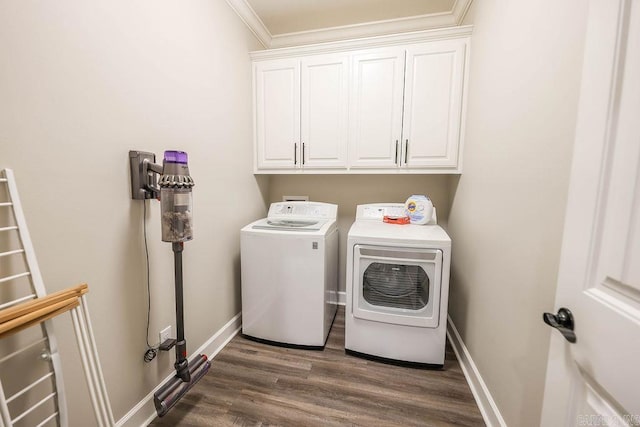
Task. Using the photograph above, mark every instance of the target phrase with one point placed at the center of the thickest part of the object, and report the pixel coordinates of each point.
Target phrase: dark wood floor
(253, 384)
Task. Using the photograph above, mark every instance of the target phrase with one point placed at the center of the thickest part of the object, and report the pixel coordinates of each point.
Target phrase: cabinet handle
(406, 150)
(295, 153)
(395, 159)
(303, 153)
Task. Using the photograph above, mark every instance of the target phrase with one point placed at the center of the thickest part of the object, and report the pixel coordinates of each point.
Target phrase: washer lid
(283, 224)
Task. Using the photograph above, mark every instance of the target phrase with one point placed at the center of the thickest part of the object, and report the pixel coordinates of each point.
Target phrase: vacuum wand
(187, 373)
(175, 204)
(181, 365)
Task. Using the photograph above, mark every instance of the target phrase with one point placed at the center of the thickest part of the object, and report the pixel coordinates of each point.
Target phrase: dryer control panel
(378, 210)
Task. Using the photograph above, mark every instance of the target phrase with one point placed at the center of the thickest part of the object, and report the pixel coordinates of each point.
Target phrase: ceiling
(290, 16)
(282, 23)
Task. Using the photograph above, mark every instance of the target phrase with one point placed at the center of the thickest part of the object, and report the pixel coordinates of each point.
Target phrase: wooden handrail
(36, 321)
(21, 316)
(38, 303)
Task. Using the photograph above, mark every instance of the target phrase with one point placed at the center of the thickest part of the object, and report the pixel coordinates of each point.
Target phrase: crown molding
(398, 39)
(348, 32)
(460, 9)
(252, 21)
(368, 29)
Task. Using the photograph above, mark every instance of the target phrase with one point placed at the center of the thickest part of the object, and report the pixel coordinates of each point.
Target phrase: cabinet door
(277, 114)
(323, 120)
(432, 119)
(375, 119)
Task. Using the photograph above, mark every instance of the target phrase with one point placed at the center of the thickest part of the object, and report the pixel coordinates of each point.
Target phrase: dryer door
(397, 285)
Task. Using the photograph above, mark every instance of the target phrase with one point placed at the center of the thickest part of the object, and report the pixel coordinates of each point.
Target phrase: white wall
(81, 83)
(508, 206)
(349, 191)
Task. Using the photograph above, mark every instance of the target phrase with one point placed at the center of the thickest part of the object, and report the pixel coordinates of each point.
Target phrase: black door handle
(563, 321)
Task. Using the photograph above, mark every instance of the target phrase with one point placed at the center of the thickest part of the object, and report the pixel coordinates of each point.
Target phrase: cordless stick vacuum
(176, 218)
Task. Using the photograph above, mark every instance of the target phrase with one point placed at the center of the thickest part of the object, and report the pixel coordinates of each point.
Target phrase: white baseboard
(342, 298)
(144, 412)
(486, 404)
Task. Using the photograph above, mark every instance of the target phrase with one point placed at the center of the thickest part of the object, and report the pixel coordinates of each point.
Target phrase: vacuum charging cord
(151, 352)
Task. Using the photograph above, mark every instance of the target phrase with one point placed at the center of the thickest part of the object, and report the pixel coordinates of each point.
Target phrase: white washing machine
(397, 288)
(289, 264)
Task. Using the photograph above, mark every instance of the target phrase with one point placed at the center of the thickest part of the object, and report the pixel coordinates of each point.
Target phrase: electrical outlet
(165, 334)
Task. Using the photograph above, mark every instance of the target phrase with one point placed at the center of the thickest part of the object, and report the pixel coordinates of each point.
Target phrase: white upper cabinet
(406, 107)
(323, 120)
(375, 119)
(392, 104)
(433, 95)
(301, 112)
(277, 113)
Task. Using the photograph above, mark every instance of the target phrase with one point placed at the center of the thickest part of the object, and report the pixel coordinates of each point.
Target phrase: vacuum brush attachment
(173, 390)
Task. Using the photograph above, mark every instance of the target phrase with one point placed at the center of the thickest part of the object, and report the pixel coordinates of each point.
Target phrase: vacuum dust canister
(176, 198)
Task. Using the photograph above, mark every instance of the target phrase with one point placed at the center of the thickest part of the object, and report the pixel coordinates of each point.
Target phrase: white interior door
(596, 380)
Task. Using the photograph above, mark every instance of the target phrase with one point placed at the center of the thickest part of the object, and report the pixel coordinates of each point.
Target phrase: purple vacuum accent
(172, 156)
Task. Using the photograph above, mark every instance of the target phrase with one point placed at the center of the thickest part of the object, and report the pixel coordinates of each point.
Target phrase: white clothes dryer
(289, 269)
(397, 288)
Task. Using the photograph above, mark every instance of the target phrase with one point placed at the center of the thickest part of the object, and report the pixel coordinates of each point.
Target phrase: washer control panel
(303, 210)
